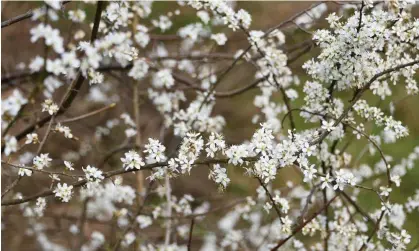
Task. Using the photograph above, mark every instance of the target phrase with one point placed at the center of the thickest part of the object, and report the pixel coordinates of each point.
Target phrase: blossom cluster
(314, 145)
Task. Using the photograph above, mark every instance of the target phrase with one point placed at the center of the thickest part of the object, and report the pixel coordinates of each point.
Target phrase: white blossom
(144, 221)
(63, 192)
(69, 165)
(93, 174)
(42, 161)
(24, 172)
(219, 38)
(132, 160)
(219, 175)
(139, 69)
(11, 145)
(155, 151)
(50, 107)
(328, 125)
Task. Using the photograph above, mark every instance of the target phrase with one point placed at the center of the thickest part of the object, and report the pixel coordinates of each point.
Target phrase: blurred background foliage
(238, 111)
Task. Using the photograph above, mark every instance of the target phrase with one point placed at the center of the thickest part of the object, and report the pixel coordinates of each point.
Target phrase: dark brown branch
(32, 95)
(190, 234)
(123, 147)
(300, 54)
(190, 216)
(301, 226)
(205, 56)
(21, 17)
(88, 114)
(326, 214)
(39, 170)
(11, 186)
(278, 212)
(223, 56)
(109, 174)
(164, 37)
(357, 207)
(133, 222)
(44, 140)
(308, 201)
(5, 80)
(232, 93)
(288, 105)
(376, 227)
(281, 88)
(353, 128)
(247, 50)
(228, 94)
(72, 90)
(358, 96)
(81, 223)
(289, 20)
(360, 17)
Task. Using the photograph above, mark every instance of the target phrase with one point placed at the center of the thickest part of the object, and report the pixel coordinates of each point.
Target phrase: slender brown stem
(74, 88)
(88, 114)
(360, 17)
(109, 174)
(301, 226)
(133, 222)
(21, 17)
(308, 201)
(40, 170)
(326, 214)
(357, 207)
(191, 234)
(278, 212)
(359, 95)
(376, 227)
(11, 186)
(44, 140)
(82, 221)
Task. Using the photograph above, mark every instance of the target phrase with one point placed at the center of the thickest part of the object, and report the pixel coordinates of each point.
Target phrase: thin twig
(168, 190)
(82, 222)
(40, 170)
(11, 186)
(308, 201)
(198, 215)
(360, 17)
(88, 114)
(359, 95)
(246, 51)
(109, 174)
(22, 17)
(190, 234)
(133, 222)
(357, 207)
(73, 89)
(44, 140)
(326, 213)
(278, 212)
(376, 227)
(301, 226)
